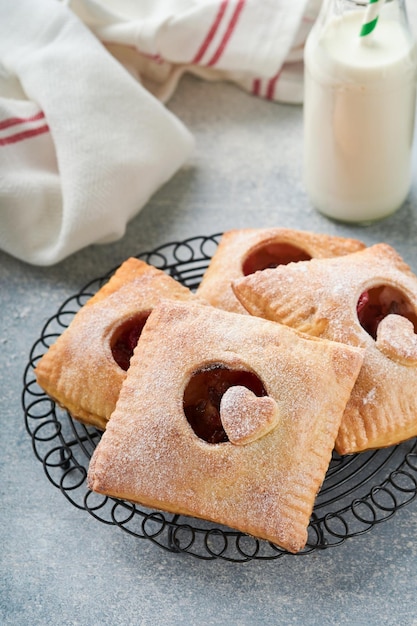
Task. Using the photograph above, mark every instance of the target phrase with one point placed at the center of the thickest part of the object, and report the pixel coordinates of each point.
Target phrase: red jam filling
(125, 339)
(271, 255)
(203, 394)
(375, 304)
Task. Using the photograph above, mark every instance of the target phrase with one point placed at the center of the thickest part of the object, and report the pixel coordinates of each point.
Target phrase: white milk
(359, 117)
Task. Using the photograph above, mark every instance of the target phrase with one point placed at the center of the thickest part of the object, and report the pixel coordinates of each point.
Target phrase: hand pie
(226, 417)
(84, 370)
(366, 299)
(243, 252)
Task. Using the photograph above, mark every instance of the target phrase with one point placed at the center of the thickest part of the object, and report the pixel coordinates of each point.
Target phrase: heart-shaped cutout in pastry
(397, 340)
(245, 416)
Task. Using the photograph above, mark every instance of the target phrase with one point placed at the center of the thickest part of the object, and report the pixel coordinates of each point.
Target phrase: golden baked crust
(266, 483)
(321, 297)
(79, 370)
(232, 259)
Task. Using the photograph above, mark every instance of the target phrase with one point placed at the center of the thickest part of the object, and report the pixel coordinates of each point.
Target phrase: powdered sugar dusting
(150, 454)
(320, 297)
(79, 370)
(369, 398)
(236, 246)
(246, 417)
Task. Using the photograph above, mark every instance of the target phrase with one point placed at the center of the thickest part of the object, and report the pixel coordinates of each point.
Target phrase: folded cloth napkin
(85, 143)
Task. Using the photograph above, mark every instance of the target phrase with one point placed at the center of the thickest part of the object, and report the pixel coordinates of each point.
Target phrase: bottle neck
(393, 10)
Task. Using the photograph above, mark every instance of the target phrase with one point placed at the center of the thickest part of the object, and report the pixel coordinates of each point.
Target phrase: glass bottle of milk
(360, 95)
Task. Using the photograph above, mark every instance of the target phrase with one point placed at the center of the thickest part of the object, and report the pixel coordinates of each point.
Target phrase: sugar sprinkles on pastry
(85, 368)
(244, 251)
(366, 299)
(226, 417)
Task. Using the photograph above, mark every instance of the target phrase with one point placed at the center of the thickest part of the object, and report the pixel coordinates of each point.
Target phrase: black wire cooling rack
(359, 491)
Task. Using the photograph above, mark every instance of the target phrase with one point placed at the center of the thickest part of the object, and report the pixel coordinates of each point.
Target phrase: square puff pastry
(266, 481)
(241, 252)
(325, 298)
(79, 370)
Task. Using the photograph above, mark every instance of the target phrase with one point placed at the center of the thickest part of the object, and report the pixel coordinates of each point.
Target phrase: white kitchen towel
(257, 44)
(83, 146)
(84, 143)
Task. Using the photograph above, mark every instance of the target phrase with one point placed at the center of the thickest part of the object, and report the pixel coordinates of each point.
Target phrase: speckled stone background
(60, 566)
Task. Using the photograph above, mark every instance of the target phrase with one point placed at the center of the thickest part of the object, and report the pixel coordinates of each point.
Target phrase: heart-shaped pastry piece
(245, 416)
(397, 340)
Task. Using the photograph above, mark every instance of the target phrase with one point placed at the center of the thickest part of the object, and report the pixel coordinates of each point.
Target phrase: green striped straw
(371, 17)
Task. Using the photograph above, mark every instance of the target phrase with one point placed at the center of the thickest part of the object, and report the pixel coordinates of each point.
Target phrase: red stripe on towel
(256, 86)
(25, 134)
(209, 38)
(12, 121)
(239, 6)
(270, 91)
